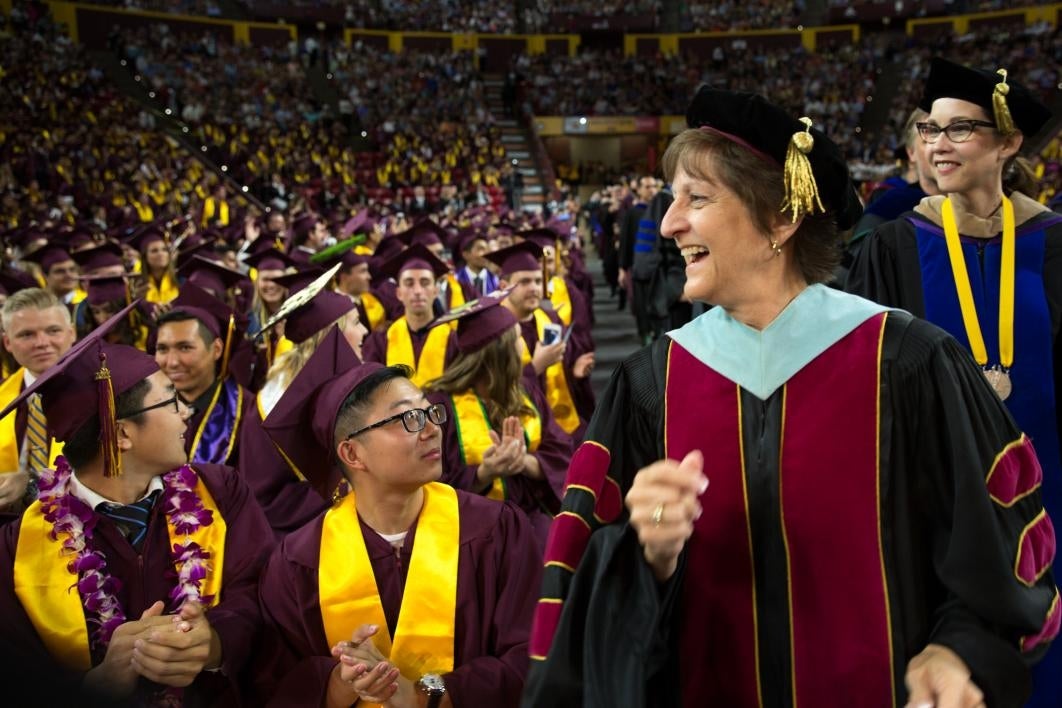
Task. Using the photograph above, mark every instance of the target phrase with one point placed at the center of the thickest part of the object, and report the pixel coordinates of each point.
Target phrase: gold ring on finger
(658, 515)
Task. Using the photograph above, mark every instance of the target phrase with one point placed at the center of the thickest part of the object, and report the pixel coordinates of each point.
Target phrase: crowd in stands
(555, 15)
(830, 86)
(437, 129)
(72, 142)
(725, 16)
(209, 8)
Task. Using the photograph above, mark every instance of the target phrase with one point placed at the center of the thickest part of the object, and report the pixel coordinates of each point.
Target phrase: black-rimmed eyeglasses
(958, 132)
(413, 420)
(174, 401)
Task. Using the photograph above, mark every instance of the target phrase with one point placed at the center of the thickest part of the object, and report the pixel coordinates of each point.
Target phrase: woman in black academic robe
(801, 497)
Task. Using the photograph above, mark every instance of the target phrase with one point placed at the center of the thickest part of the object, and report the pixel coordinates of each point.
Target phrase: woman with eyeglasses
(504, 442)
(984, 262)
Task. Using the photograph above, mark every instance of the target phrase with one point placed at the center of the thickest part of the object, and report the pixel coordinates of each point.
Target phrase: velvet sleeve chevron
(992, 542)
(624, 435)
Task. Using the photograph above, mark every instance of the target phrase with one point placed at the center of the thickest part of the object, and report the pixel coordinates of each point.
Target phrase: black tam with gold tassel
(1009, 104)
(814, 168)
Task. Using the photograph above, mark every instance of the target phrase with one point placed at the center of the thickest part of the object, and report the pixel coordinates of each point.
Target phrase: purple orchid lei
(73, 519)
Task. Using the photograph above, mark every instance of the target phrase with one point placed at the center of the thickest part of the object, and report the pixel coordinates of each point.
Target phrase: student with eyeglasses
(505, 443)
(131, 580)
(406, 592)
(984, 261)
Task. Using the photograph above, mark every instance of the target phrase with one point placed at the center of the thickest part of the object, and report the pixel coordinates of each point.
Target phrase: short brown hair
(759, 186)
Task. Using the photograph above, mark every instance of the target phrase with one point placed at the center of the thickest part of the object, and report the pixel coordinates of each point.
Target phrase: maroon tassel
(112, 460)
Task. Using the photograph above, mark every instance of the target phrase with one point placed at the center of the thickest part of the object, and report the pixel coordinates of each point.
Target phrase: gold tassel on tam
(801, 190)
(1004, 121)
(112, 460)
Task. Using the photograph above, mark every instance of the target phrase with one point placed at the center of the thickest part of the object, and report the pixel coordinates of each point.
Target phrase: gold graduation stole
(211, 207)
(163, 292)
(48, 592)
(457, 295)
(374, 309)
(424, 636)
(561, 299)
(144, 211)
(558, 395)
(473, 433)
(9, 457)
(432, 356)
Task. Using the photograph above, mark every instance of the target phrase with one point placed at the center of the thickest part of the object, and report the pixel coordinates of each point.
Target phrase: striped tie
(36, 436)
(131, 519)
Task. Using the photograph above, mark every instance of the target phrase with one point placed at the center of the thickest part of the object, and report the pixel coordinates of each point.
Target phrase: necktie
(36, 436)
(131, 519)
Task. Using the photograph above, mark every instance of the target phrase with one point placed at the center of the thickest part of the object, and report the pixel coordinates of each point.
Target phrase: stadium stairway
(517, 142)
(614, 332)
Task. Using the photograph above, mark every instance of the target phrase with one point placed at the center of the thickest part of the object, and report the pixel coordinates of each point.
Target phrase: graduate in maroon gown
(461, 568)
(561, 368)
(503, 441)
(413, 340)
(324, 326)
(134, 575)
(200, 346)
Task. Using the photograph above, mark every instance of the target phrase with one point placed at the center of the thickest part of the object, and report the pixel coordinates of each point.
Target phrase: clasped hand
(168, 649)
(366, 674)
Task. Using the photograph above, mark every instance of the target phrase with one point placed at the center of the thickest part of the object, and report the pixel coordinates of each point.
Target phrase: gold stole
(374, 309)
(558, 395)
(163, 292)
(473, 433)
(9, 456)
(211, 207)
(432, 356)
(424, 637)
(457, 295)
(561, 299)
(363, 250)
(48, 590)
(283, 346)
(79, 295)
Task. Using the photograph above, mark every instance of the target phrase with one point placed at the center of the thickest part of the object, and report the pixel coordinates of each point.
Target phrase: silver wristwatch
(432, 686)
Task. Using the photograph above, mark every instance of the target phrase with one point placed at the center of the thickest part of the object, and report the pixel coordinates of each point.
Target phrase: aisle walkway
(614, 331)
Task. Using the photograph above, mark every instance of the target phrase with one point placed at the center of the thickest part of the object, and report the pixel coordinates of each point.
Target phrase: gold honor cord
(998, 376)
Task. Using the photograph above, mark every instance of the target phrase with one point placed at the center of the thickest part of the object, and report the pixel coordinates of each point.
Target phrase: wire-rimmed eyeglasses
(413, 420)
(958, 132)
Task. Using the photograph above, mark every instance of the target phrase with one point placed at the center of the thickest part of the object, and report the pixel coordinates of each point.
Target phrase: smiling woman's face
(723, 248)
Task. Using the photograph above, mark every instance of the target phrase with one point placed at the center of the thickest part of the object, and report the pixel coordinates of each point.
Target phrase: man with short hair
(475, 276)
(354, 280)
(37, 332)
(461, 567)
(194, 348)
(554, 367)
(309, 235)
(133, 577)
